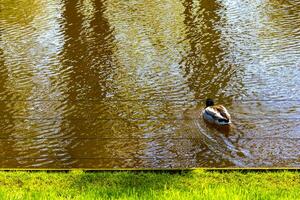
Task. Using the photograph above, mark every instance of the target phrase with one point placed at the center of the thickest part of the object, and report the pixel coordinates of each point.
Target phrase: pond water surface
(121, 84)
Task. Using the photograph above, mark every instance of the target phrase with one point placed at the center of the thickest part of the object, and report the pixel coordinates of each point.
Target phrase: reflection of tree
(205, 67)
(3, 81)
(10, 87)
(3, 71)
(6, 122)
(87, 54)
(29, 75)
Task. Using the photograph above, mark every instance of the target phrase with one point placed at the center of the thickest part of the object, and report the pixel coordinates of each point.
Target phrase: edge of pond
(153, 170)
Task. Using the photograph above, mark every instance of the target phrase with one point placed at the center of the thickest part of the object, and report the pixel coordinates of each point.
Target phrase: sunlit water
(109, 84)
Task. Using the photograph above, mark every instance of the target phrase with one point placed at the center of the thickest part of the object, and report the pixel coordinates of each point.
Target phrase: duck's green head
(209, 102)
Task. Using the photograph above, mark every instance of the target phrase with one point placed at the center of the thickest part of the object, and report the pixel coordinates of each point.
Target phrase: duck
(216, 114)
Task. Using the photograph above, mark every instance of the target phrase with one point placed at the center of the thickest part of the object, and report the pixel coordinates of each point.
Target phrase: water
(111, 84)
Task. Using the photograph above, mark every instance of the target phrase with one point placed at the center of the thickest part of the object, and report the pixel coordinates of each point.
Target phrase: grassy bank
(150, 185)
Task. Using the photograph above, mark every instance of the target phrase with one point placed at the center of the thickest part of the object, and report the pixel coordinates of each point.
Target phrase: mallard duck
(216, 114)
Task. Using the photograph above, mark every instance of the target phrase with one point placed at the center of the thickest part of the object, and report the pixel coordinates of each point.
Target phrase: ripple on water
(121, 84)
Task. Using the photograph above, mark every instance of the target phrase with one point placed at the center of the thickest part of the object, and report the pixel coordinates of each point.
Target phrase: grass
(150, 185)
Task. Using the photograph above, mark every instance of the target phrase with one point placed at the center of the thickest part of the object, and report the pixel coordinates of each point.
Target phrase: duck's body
(216, 114)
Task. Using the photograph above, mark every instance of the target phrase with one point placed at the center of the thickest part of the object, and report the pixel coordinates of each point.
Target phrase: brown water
(110, 83)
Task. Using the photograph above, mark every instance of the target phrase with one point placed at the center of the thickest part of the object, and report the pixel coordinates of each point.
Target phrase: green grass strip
(197, 184)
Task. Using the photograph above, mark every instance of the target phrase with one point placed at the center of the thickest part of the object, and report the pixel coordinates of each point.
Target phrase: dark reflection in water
(108, 83)
(87, 56)
(207, 71)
